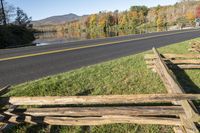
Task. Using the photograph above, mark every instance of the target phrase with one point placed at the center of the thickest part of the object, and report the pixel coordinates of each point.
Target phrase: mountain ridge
(59, 19)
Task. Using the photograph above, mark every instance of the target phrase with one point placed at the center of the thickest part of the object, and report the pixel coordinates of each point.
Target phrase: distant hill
(55, 20)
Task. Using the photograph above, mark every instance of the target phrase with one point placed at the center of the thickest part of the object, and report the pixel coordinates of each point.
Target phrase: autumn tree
(142, 12)
(190, 16)
(141, 17)
(123, 20)
(103, 21)
(133, 19)
(156, 12)
(116, 17)
(93, 21)
(110, 20)
(144, 9)
(160, 23)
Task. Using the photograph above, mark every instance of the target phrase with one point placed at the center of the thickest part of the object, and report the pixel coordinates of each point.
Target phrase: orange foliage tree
(190, 16)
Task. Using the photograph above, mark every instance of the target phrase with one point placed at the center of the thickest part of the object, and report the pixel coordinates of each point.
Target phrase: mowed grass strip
(127, 75)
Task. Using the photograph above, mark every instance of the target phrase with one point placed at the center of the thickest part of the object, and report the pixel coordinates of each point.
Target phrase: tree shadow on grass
(85, 129)
(85, 92)
(25, 128)
(185, 81)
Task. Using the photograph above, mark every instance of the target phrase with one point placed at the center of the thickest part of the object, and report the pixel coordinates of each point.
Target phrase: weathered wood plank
(164, 71)
(109, 99)
(8, 125)
(85, 121)
(179, 66)
(178, 129)
(99, 111)
(189, 66)
(190, 110)
(189, 125)
(164, 79)
(149, 62)
(173, 56)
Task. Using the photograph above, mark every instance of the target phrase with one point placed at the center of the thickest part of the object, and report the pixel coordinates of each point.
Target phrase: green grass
(127, 75)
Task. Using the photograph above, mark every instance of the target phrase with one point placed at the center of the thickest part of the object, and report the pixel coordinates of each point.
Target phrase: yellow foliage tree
(133, 14)
(160, 23)
(102, 21)
(93, 20)
(123, 20)
(141, 17)
(190, 16)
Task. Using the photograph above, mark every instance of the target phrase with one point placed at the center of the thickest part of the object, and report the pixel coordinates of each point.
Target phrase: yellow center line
(89, 46)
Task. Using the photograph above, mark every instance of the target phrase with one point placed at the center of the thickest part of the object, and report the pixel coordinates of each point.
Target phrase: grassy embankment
(127, 75)
(15, 36)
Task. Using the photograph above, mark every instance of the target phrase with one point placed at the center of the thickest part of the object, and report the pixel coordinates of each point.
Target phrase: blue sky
(40, 9)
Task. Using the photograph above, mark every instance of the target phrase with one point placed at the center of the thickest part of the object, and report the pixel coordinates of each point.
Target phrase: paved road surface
(29, 63)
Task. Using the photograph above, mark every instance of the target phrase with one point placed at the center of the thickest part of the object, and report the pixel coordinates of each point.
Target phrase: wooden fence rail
(109, 99)
(98, 111)
(85, 121)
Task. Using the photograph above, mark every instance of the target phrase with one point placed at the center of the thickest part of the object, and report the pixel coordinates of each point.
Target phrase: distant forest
(137, 17)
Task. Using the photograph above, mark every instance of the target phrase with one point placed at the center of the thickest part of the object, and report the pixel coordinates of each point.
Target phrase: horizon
(38, 11)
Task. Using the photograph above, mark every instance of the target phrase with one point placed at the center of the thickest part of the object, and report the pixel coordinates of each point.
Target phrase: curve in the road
(18, 70)
(89, 46)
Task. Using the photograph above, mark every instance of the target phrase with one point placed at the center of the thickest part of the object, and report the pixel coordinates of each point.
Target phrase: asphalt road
(29, 63)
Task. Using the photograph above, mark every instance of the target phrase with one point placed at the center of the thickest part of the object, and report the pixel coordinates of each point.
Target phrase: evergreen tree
(21, 18)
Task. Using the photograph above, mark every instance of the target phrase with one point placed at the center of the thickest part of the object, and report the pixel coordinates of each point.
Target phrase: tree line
(137, 17)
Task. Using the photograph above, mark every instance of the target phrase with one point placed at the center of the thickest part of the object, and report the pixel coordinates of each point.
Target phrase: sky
(40, 9)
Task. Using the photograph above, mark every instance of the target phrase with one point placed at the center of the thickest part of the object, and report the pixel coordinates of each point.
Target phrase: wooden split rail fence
(98, 110)
(161, 64)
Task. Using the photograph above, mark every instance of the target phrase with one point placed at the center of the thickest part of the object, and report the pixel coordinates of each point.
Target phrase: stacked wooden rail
(110, 109)
(174, 61)
(159, 63)
(132, 110)
(195, 46)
